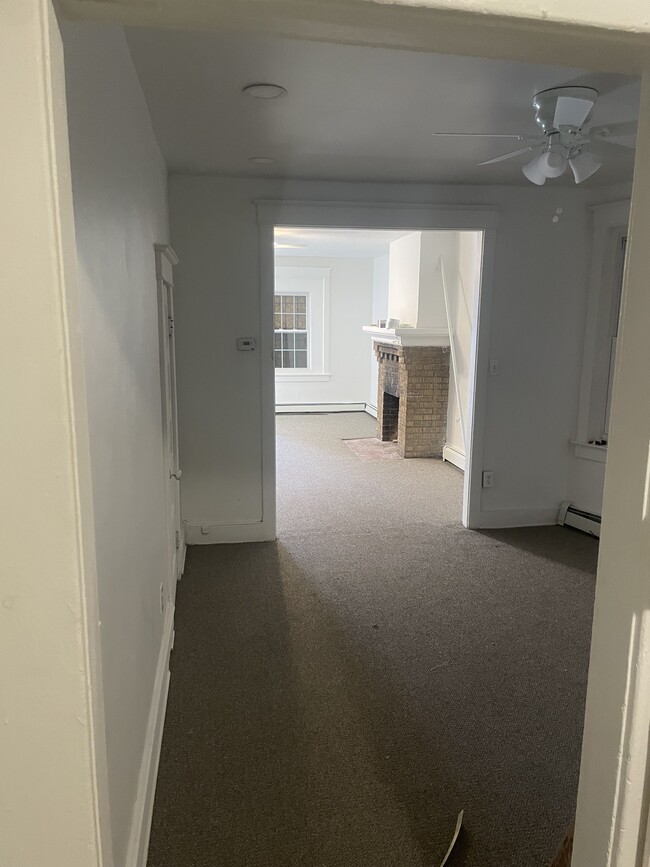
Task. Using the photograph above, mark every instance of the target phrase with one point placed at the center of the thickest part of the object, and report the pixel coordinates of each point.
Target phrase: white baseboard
(371, 410)
(143, 809)
(502, 519)
(453, 456)
(219, 534)
(319, 407)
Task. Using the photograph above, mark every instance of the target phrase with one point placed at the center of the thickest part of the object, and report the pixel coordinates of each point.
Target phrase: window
(301, 323)
(291, 335)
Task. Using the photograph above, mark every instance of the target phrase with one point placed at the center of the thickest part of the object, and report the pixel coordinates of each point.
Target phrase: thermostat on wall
(245, 344)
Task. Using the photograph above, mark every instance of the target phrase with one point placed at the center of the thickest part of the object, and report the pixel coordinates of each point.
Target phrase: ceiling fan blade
(603, 82)
(480, 135)
(607, 148)
(511, 154)
(614, 130)
(570, 111)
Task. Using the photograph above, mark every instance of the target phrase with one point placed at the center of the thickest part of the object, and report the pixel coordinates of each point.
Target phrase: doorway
(361, 316)
(441, 312)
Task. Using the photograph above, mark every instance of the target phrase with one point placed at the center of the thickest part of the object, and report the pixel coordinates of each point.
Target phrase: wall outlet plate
(488, 478)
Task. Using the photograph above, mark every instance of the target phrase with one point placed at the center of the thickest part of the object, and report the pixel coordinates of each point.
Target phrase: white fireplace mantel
(408, 336)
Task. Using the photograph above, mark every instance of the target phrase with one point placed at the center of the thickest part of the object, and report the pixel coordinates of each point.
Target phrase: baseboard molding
(220, 534)
(502, 519)
(143, 809)
(319, 407)
(371, 410)
(183, 556)
(453, 456)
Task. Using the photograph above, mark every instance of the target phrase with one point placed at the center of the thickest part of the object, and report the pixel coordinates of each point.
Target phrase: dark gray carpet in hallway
(338, 696)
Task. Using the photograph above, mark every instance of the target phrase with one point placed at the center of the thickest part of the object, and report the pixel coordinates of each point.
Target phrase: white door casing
(272, 213)
(165, 260)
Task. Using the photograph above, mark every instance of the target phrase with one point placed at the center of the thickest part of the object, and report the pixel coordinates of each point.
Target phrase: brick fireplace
(412, 398)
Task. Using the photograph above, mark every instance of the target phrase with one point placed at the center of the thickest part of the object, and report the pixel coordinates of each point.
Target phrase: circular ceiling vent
(264, 91)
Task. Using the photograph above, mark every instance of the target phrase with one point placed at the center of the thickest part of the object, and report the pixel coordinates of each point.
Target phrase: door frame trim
(364, 215)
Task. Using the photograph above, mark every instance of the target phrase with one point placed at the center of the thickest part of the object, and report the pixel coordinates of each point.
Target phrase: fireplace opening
(389, 419)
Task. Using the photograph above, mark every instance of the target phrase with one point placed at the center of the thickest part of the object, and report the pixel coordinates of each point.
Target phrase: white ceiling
(337, 243)
(352, 113)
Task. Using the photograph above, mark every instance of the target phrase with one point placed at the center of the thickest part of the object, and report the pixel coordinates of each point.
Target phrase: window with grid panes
(291, 334)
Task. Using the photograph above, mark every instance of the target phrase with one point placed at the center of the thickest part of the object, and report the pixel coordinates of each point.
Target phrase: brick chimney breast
(413, 390)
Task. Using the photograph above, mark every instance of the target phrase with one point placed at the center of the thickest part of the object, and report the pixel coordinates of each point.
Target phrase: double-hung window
(291, 333)
(301, 323)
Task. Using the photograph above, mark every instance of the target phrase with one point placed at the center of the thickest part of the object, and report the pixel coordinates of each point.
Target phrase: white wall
(380, 278)
(119, 188)
(404, 279)
(586, 484)
(52, 803)
(463, 286)
(435, 246)
(350, 308)
(538, 317)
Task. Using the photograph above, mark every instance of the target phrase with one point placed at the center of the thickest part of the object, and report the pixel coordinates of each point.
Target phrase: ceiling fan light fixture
(583, 166)
(534, 173)
(552, 164)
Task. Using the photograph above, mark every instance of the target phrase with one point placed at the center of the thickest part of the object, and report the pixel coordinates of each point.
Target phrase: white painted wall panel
(586, 485)
(463, 285)
(379, 311)
(404, 279)
(538, 317)
(119, 188)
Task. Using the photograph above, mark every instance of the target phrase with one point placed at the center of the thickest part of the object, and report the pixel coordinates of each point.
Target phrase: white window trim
(319, 357)
(610, 223)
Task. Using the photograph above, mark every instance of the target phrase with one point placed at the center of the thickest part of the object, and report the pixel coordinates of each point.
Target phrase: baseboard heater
(571, 516)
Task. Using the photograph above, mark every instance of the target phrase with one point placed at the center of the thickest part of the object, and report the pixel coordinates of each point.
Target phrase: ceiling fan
(563, 113)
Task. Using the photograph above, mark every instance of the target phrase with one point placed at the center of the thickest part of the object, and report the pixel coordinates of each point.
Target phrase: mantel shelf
(408, 336)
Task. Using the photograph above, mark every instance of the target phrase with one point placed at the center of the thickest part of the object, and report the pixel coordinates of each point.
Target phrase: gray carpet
(338, 696)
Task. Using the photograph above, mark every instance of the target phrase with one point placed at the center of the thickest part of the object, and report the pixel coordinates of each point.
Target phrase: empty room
(347, 323)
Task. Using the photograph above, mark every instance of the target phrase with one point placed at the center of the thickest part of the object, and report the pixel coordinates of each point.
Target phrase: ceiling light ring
(264, 90)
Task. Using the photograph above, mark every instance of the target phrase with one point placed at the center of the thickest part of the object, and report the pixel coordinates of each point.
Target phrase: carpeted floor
(338, 696)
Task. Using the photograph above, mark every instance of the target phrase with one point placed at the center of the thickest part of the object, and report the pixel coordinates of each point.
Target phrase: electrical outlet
(488, 478)
(162, 598)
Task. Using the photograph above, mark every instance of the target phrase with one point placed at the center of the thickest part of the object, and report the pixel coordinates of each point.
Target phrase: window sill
(589, 451)
(302, 377)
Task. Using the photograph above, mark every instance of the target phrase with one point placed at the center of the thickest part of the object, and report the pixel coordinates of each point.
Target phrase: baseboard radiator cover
(301, 408)
(572, 516)
(453, 456)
